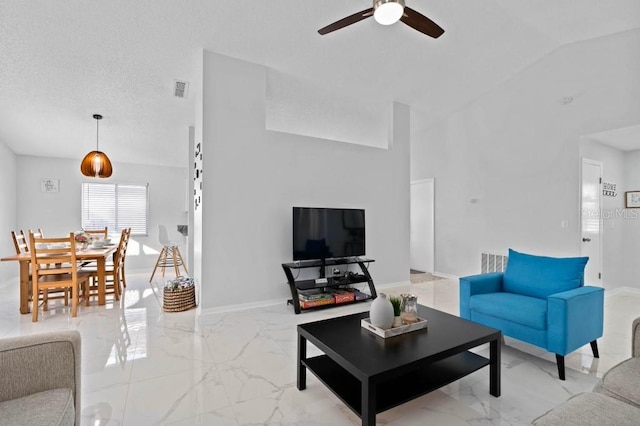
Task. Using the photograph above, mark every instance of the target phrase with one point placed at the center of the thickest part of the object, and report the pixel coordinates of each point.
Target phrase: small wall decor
(49, 185)
(609, 189)
(632, 199)
(197, 176)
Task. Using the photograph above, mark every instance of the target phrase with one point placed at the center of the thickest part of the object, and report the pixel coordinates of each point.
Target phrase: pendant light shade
(96, 163)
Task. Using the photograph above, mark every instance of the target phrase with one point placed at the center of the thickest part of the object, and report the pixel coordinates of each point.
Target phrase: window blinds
(116, 206)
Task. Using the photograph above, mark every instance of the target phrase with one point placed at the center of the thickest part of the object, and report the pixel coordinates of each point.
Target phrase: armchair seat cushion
(50, 407)
(622, 382)
(524, 310)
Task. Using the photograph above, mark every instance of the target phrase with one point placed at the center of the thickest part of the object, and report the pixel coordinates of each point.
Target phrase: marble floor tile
(104, 406)
(143, 366)
(175, 397)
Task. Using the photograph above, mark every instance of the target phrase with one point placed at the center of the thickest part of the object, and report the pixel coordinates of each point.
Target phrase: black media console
(326, 283)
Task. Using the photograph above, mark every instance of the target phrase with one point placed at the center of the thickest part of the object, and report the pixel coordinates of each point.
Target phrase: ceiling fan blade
(419, 22)
(356, 17)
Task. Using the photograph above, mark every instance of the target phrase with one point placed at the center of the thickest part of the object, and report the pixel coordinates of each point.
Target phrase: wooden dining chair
(123, 258)
(37, 233)
(114, 271)
(54, 266)
(99, 233)
(20, 242)
(96, 234)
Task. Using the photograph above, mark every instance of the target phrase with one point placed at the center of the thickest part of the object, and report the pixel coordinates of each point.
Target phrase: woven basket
(179, 300)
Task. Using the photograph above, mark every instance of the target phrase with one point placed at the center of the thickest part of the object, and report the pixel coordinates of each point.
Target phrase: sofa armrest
(635, 338)
(574, 318)
(40, 362)
(477, 284)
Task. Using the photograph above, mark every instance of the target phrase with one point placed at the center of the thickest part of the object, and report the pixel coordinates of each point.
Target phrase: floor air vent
(493, 262)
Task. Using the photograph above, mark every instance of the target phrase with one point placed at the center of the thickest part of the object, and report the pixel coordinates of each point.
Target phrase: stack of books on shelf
(314, 297)
(343, 296)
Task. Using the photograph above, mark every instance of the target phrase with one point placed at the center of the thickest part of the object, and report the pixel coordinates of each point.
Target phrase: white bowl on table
(98, 244)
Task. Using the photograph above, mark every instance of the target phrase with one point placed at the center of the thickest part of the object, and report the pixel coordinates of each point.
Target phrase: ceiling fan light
(388, 12)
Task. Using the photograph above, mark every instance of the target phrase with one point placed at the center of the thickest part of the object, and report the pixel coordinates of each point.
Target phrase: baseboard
(274, 302)
(617, 290)
(243, 306)
(443, 275)
(389, 285)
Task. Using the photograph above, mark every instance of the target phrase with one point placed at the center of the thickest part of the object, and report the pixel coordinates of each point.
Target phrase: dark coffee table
(371, 374)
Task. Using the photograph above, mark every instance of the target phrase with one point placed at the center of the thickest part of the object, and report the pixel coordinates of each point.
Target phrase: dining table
(99, 255)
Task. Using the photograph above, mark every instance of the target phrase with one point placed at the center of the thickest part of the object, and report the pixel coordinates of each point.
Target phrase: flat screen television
(325, 233)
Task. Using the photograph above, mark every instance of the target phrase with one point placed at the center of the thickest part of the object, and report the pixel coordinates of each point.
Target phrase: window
(116, 206)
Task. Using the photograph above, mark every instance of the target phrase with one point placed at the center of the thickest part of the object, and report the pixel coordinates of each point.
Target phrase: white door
(591, 227)
(422, 226)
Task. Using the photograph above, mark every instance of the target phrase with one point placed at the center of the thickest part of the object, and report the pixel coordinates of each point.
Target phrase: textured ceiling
(61, 62)
(623, 138)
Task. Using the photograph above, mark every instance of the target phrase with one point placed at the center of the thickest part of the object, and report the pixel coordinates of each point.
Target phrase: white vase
(381, 312)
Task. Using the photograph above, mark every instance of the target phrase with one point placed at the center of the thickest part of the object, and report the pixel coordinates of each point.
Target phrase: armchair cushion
(44, 368)
(51, 407)
(524, 310)
(621, 382)
(588, 409)
(541, 276)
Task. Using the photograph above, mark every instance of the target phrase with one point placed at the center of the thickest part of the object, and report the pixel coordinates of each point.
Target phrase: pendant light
(96, 163)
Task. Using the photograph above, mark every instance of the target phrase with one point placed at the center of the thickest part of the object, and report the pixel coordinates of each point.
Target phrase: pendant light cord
(97, 134)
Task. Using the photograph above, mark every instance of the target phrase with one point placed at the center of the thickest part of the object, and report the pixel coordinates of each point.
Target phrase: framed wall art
(632, 199)
(49, 185)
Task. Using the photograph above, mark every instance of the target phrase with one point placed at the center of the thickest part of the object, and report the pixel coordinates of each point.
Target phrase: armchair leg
(560, 361)
(594, 349)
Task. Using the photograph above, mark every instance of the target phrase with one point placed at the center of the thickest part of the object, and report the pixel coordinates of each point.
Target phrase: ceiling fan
(387, 12)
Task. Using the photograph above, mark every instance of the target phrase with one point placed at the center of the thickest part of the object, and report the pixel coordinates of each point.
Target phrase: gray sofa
(615, 400)
(40, 379)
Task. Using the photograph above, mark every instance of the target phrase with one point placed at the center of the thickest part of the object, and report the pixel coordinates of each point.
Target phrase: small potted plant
(396, 302)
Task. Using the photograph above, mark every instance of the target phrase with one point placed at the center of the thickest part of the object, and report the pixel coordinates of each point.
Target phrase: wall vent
(491, 262)
(180, 89)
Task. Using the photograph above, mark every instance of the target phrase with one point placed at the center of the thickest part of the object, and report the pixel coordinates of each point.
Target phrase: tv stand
(327, 283)
(323, 268)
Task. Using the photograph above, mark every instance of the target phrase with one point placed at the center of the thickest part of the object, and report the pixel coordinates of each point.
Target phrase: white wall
(507, 165)
(297, 106)
(59, 213)
(421, 226)
(7, 210)
(631, 241)
(253, 177)
(613, 220)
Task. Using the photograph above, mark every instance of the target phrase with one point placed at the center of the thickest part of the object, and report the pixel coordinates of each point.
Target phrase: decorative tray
(393, 331)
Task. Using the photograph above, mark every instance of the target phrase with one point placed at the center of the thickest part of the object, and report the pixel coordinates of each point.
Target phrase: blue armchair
(539, 300)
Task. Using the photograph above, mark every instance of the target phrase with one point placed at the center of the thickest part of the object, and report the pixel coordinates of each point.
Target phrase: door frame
(431, 225)
(583, 161)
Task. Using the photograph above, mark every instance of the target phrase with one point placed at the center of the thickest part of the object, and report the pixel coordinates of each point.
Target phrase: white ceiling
(61, 62)
(623, 138)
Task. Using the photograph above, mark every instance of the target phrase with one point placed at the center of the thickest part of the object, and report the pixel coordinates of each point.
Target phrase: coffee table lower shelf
(396, 390)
